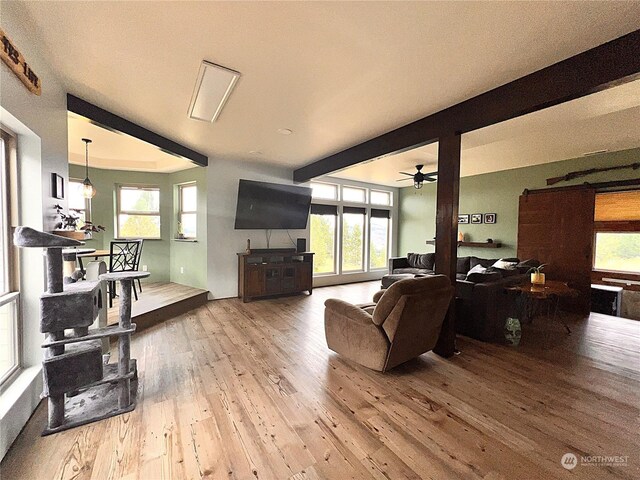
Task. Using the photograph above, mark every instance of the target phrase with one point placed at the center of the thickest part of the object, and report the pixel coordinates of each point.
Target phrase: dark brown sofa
(482, 304)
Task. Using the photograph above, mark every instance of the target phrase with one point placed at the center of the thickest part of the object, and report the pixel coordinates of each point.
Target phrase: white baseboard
(17, 403)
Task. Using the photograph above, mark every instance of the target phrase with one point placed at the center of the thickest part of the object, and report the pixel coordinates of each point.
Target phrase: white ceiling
(607, 120)
(336, 73)
(111, 150)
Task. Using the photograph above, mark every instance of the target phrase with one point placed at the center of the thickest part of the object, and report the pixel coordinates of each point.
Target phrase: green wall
(496, 193)
(157, 255)
(191, 256)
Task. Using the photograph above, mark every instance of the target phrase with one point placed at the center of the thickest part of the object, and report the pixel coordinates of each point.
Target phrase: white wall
(41, 125)
(224, 242)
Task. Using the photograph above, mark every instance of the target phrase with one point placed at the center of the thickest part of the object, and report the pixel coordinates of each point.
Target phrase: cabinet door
(304, 280)
(254, 280)
(289, 278)
(272, 280)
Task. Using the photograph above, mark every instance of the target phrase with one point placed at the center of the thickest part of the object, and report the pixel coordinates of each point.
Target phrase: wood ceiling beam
(610, 64)
(111, 121)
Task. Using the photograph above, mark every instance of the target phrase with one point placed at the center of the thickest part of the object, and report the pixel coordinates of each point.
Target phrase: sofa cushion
(485, 262)
(461, 276)
(421, 260)
(463, 265)
(414, 271)
(504, 272)
(486, 277)
(506, 264)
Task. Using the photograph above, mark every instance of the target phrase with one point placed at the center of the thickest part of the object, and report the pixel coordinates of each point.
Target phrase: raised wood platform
(160, 301)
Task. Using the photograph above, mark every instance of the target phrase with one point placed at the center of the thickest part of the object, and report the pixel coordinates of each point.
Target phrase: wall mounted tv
(270, 206)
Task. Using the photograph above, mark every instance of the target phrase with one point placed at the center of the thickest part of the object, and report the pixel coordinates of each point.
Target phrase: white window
(353, 226)
(323, 238)
(354, 194)
(187, 209)
(9, 295)
(324, 191)
(380, 198)
(379, 238)
(138, 211)
(617, 252)
(77, 201)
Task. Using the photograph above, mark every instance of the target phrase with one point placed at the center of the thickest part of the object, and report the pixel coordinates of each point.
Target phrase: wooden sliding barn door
(556, 228)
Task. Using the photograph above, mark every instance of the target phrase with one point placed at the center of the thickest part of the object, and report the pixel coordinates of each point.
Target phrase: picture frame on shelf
(57, 186)
(490, 218)
(463, 219)
(476, 218)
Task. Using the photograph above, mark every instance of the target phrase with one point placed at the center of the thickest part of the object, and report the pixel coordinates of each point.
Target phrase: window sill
(188, 240)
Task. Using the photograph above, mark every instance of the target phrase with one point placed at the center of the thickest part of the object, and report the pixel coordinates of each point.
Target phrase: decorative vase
(512, 331)
(537, 278)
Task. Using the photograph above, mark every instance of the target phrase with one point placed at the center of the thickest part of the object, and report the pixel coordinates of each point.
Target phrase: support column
(447, 231)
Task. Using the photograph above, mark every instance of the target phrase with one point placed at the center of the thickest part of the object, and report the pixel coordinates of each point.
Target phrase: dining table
(96, 255)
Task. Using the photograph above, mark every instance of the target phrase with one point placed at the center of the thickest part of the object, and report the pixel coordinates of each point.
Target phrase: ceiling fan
(419, 178)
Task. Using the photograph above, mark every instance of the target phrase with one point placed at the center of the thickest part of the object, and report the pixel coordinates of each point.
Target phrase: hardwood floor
(242, 391)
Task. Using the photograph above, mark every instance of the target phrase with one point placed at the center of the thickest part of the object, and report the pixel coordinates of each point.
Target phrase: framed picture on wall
(476, 218)
(490, 218)
(463, 218)
(57, 186)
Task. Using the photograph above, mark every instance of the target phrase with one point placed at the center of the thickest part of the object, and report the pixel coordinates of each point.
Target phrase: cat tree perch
(78, 387)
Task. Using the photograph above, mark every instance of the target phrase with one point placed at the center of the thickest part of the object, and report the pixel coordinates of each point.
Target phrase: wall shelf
(473, 244)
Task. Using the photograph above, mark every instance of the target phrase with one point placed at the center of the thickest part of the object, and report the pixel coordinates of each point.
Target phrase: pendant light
(88, 190)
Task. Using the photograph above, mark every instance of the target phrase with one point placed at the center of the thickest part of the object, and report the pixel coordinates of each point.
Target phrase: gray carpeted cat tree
(78, 387)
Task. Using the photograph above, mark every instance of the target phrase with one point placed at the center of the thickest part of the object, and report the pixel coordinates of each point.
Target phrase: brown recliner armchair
(404, 322)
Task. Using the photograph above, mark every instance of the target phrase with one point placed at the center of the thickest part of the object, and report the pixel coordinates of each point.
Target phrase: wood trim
(624, 226)
(610, 64)
(111, 121)
(598, 275)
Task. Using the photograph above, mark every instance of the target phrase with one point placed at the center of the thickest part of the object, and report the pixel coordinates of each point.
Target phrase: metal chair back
(124, 255)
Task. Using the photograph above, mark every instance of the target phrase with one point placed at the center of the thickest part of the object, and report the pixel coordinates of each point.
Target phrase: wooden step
(159, 302)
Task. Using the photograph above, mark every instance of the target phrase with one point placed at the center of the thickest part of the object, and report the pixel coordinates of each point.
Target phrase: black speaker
(301, 245)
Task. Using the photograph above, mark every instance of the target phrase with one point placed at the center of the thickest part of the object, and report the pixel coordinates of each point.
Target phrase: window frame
(181, 212)
(336, 188)
(87, 201)
(8, 190)
(365, 237)
(389, 228)
(364, 190)
(119, 212)
(336, 244)
(386, 192)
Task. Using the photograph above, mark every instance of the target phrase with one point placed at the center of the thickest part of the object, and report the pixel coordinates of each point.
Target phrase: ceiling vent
(213, 87)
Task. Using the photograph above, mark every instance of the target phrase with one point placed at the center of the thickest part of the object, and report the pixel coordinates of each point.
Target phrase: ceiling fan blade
(403, 179)
(432, 174)
(405, 173)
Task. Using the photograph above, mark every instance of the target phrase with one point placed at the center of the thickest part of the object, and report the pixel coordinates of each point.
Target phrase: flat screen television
(270, 206)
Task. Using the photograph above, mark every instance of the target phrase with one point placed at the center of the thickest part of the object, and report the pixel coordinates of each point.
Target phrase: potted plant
(537, 277)
(68, 223)
(89, 229)
(180, 231)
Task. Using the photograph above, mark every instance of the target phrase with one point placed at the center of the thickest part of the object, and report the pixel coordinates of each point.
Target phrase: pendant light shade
(88, 190)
